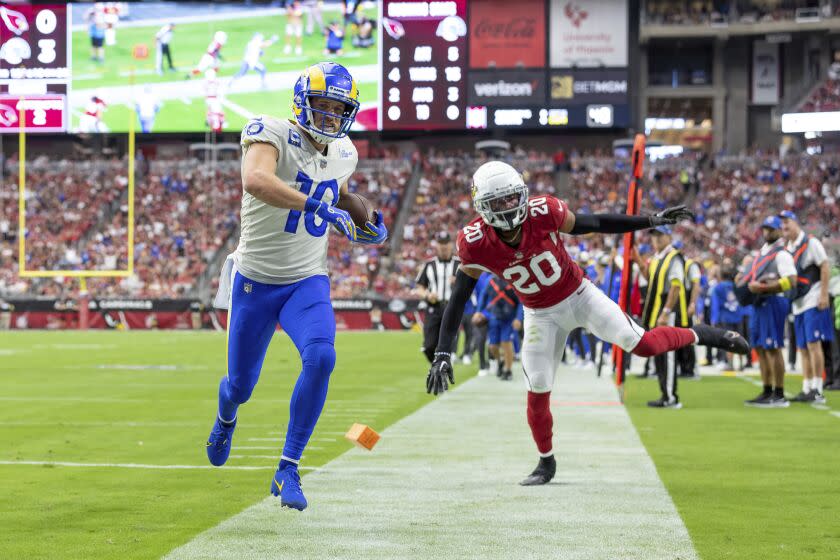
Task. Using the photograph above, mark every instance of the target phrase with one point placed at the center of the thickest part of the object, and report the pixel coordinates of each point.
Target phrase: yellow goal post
(81, 274)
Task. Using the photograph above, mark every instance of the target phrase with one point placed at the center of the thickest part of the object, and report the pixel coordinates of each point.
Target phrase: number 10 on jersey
(306, 182)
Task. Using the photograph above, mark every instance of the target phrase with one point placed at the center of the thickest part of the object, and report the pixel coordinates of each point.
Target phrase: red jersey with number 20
(539, 268)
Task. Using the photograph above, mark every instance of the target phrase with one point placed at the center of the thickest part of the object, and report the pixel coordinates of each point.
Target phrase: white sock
(817, 384)
(806, 385)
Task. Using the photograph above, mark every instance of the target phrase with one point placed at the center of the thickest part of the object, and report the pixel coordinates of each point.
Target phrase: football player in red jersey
(518, 238)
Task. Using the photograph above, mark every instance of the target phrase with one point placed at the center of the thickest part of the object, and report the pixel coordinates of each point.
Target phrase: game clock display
(418, 65)
(424, 56)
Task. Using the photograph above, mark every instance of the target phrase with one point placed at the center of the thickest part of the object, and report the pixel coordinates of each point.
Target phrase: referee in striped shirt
(434, 285)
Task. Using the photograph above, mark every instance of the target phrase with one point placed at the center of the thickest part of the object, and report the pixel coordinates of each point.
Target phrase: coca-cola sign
(517, 28)
(507, 34)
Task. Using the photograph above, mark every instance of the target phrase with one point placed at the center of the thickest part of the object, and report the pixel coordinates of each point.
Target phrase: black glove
(440, 374)
(671, 216)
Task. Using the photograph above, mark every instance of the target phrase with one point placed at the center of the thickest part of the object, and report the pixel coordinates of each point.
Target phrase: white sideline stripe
(835, 413)
(607, 500)
(238, 109)
(130, 465)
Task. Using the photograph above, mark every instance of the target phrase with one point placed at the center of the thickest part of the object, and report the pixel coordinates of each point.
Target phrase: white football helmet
(500, 195)
(220, 37)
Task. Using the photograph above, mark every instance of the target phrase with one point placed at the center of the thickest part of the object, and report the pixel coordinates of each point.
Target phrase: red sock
(664, 339)
(540, 420)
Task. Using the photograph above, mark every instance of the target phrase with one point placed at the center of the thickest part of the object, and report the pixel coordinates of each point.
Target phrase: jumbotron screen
(419, 65)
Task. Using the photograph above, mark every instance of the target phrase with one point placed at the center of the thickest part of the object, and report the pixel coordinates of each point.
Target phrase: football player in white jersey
(293, 172)
(253, 53)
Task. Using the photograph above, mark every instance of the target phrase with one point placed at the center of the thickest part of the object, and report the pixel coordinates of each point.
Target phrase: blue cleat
(286, 485)
(218, 444)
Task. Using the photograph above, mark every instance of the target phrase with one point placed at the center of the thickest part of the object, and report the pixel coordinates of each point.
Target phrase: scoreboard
(501, 64)
(424, 65)
(34, 67)
(436, 65)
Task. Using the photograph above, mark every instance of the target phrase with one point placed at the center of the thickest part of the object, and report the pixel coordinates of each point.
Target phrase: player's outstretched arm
(622, 223)
(440, 374)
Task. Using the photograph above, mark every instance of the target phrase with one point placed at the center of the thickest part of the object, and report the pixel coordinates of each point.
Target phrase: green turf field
(189, 43)
(748, 483)
(149, 398)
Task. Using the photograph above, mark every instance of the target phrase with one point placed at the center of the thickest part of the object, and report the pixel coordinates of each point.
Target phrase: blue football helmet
(326, 80)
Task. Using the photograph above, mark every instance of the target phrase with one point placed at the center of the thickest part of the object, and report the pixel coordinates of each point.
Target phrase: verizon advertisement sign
(587, 33)
(509, 88)
(506, 34)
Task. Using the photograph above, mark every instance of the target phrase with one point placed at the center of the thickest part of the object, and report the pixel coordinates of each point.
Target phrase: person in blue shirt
(608, 275)
(504, 313)
(479, 324)
(335, 39)
(96, 31)
(725, 310)
(468, 329)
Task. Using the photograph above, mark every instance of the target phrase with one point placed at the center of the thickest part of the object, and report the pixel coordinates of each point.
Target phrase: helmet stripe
(354, 91)
(317, 80)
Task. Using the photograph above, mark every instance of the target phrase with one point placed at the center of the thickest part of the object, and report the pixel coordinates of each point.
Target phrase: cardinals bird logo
(393, 28)
(8, 115)
(15, 21)
(575, 13)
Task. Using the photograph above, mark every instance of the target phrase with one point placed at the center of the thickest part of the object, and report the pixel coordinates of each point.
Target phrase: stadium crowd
(682, 12)
(185, 214)
(826, 97)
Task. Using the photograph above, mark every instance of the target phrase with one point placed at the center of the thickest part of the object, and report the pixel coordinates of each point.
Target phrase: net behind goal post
(82, 275)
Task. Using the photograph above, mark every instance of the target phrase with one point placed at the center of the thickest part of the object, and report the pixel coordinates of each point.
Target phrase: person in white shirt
(812, 318)
(147, 107)
(162, 40)
(253, 53)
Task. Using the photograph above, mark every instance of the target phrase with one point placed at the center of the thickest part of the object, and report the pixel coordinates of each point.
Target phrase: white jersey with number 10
(281, 246)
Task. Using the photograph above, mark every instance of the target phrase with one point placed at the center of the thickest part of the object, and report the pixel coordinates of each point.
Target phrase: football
(359, 208)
